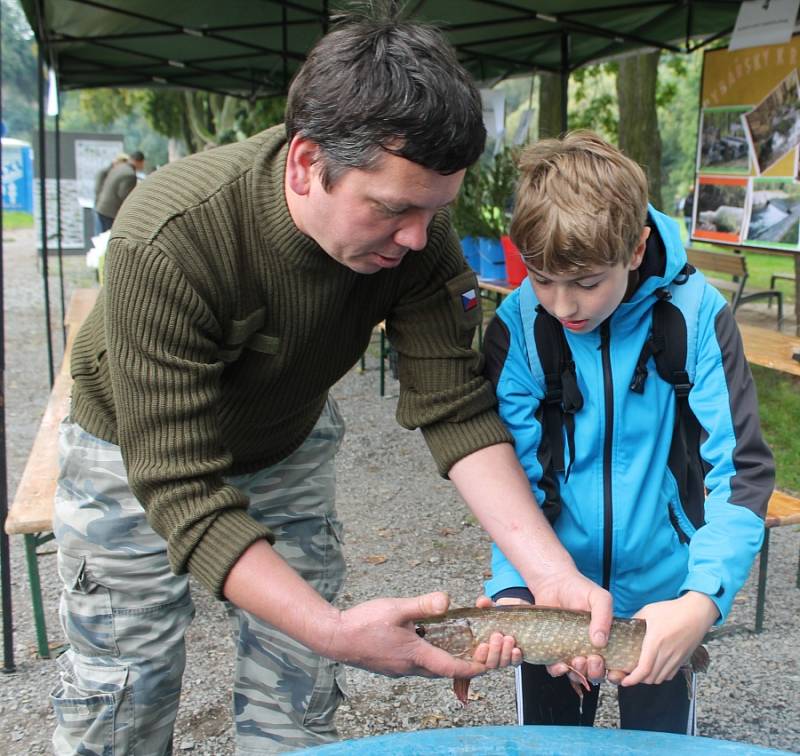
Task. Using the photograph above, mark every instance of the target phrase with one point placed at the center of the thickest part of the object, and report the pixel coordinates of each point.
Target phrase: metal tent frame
(252, 48)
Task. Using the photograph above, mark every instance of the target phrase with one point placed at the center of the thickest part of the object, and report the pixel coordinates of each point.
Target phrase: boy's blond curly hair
(580, 202)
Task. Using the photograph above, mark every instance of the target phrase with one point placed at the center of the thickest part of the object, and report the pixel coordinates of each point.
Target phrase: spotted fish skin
(545, 635)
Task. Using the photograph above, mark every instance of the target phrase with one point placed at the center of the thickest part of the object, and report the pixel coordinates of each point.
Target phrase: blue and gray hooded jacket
(621, 516)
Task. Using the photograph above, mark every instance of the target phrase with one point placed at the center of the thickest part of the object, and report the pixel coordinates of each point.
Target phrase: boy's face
(583, 300)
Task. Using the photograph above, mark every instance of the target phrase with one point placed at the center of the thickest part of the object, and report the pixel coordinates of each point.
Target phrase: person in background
(116, 186)
(99, 178)
(241, 284)
(669, 526)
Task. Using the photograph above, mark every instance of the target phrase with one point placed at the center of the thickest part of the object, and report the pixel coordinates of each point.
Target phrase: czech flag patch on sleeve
(469, 300)
(465, 303)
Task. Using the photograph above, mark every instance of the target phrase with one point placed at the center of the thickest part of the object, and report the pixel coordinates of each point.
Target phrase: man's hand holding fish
(388, 643)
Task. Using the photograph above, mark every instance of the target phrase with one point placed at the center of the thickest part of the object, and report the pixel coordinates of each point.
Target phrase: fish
(545, 635)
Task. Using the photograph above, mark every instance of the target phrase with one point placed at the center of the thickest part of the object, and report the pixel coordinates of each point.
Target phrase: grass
(14, 219)
(779, 401)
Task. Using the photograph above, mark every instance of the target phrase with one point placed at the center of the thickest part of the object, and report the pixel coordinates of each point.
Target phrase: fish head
(452, 635)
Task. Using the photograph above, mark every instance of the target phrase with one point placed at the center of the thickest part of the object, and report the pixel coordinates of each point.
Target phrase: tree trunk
(639, 138)
(549, 105)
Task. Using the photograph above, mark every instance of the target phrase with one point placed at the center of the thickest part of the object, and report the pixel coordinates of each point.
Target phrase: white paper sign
(764, 22)
(494, 116)
(521, 134)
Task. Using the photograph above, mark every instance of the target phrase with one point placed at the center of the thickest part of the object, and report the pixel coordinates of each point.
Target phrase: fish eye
(420, 630)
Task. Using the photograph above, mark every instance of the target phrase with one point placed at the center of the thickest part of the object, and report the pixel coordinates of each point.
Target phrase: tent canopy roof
(253, 47)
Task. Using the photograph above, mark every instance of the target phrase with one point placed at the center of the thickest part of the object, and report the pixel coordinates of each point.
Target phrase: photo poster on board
(748, 147)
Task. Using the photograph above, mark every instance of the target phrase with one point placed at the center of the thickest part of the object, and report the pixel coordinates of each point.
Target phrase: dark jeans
(101, 223)
(547, 700)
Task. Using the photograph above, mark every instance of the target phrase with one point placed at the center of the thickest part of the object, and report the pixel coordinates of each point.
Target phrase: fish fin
(579, 692)
(461, 689)
(700, 659)
(584, 683)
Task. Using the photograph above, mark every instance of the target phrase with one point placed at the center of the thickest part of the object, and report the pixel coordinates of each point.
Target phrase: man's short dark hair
(384, 84)
(137, 156)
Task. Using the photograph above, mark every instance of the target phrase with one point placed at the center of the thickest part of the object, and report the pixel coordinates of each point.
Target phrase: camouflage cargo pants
(125, 613)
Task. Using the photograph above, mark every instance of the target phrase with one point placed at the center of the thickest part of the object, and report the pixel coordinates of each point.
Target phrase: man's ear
(302, 156)
(638, 252)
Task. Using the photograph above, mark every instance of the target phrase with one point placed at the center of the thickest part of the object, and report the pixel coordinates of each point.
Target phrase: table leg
(762, 582)
(31, 542)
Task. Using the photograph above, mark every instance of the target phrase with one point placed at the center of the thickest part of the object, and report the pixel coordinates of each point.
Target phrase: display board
(747, 189)
(82, 156)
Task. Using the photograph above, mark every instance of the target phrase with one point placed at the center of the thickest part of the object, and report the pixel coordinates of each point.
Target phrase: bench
(735, 266)
(770, 349)
(31, 512)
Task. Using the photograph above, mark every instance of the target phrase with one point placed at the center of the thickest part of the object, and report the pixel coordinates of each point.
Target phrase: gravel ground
(407, 532)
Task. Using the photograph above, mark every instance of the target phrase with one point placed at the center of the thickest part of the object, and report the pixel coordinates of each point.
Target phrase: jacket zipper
(608, 388)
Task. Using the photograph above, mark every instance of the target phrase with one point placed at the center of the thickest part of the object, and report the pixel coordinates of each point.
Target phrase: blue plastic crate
(469, 245)
(493, 261)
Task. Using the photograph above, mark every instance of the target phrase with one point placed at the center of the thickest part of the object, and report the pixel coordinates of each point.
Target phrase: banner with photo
(748, 147)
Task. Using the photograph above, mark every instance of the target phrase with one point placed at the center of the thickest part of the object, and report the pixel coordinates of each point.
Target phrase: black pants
(546, 700)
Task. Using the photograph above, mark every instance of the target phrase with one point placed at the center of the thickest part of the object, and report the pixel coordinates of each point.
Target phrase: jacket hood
(664, 257)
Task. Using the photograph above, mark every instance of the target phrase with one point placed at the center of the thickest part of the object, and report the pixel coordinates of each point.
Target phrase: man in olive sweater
(241, 284)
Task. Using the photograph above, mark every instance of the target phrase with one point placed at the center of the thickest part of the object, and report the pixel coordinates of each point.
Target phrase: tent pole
(5, 548)
(43, 212)
(59, 229)
(564, 82)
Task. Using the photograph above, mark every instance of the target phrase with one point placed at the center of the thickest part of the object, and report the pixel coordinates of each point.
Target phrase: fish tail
(461, 689)
(699, 660)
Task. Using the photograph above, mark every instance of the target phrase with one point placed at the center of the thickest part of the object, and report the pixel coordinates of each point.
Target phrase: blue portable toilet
(17, 175)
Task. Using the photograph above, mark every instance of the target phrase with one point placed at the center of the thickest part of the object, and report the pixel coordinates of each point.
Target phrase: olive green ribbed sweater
(221, 328)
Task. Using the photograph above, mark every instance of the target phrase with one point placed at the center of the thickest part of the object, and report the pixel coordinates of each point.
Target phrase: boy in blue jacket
(670, 526)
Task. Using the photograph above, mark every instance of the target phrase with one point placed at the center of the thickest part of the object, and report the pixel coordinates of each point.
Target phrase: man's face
(369, 219)
(581, 301)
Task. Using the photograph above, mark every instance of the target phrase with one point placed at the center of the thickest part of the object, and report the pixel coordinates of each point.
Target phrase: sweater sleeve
(432, 326)
(165, 372)
(741, 472)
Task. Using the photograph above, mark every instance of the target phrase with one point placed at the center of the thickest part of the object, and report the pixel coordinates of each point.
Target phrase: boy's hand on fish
(571, 590)
(379, 635)
(501, 650)
(675, 629)
(581, 667)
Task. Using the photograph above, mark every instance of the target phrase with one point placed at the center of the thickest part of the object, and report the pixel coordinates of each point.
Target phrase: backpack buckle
(552, 396)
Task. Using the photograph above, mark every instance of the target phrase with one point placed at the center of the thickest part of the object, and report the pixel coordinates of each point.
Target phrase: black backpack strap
(667, 344)
(562, 397)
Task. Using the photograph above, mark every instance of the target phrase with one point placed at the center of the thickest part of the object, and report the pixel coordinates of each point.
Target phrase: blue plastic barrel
(508, 740)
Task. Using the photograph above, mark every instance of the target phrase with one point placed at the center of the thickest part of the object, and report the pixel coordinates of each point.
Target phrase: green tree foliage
(678, 110)
(593, 100)
(198, 119)
(18, 72)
